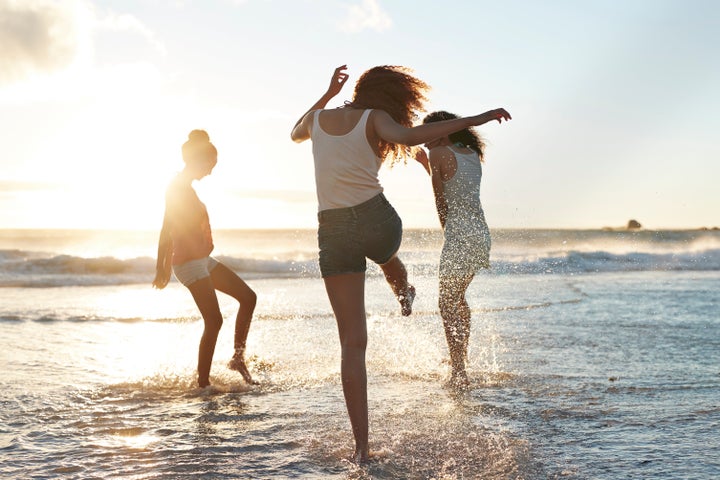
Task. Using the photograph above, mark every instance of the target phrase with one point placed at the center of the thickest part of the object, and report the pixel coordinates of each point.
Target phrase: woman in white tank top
(355, 220)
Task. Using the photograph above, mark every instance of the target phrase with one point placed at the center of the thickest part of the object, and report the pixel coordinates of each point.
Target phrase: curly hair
(467, 137)
(392, 89)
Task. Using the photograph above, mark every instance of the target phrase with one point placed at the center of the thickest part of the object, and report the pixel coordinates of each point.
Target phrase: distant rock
(633, 225)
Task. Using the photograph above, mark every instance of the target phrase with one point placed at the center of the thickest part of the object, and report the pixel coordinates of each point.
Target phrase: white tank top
(346, 168)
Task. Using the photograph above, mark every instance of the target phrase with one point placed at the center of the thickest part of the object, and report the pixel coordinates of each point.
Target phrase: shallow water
(610, 374)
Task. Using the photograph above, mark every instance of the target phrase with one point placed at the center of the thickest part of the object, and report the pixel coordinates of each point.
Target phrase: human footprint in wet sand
(455, 167)
(355, 219)
(184, 248)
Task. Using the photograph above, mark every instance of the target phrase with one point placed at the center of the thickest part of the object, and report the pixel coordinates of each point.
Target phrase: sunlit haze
(615, 106)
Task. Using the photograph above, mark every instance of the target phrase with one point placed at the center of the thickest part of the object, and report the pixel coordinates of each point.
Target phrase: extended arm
(391, 131)
(301, 130)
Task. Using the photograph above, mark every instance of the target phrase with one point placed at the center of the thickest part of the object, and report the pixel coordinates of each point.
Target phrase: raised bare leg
(228, 282)
(396, 275)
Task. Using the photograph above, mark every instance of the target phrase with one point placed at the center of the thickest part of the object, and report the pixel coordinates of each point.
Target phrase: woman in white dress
(454, 164)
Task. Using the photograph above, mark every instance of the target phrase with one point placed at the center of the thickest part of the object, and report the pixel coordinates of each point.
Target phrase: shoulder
(178, 189)
(308, 120)
(175, 184)
(309, 116)
(440, 154)
(442, 162)
(468, 151)
(381, 122)
(377, 114)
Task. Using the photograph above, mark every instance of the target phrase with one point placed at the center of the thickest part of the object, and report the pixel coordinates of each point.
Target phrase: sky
(615, 106)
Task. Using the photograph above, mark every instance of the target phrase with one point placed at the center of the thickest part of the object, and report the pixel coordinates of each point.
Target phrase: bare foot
(360, 457)
(237, 363)
(208, 390)
(459, 381)
(406, 301)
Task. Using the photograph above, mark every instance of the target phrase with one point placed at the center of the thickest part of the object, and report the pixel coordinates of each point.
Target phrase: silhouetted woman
(184, 247)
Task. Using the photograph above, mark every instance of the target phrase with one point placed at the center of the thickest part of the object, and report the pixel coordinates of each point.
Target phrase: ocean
(594, 354)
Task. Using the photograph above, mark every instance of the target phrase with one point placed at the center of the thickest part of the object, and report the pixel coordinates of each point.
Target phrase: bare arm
(440, 202)
(391, 131)
(301, 130)
(163, 266)
(422, 158)
(437, 163)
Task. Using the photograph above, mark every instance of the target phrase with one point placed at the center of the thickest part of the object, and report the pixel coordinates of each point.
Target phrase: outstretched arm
(301, 130)
(391, 131)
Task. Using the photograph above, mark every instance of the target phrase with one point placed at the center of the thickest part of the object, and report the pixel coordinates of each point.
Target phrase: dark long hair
(401, 95)
(466, 136)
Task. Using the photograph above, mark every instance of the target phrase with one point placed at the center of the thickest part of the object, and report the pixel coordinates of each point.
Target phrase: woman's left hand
(422, 158)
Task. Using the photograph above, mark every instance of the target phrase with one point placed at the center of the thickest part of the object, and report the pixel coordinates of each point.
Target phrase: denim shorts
(190, 272)
(346, 236)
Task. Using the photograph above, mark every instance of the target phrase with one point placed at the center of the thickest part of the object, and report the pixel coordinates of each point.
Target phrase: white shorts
(190, 272)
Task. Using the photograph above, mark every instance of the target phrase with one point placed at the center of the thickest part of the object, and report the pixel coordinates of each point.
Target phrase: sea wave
(602, 261)
(29, 269)
(23, 269)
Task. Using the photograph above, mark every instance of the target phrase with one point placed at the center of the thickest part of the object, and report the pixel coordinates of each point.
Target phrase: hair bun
(198, 136)
(198, 146)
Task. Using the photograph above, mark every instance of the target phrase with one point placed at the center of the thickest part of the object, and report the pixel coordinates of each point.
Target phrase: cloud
(367, 15)
(127, 23)
(36, 36)
(49, 36)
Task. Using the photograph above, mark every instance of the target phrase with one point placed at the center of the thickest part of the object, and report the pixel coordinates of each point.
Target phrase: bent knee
(249, 300)
(213, 327)
(447, 307)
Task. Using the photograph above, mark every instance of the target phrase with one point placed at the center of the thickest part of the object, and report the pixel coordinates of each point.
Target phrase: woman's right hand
(338, 80)
(162, 277)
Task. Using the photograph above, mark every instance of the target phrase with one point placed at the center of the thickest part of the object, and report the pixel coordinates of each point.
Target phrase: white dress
(467, 237)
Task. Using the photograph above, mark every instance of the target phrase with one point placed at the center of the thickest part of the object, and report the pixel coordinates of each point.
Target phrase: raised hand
(338, 80)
